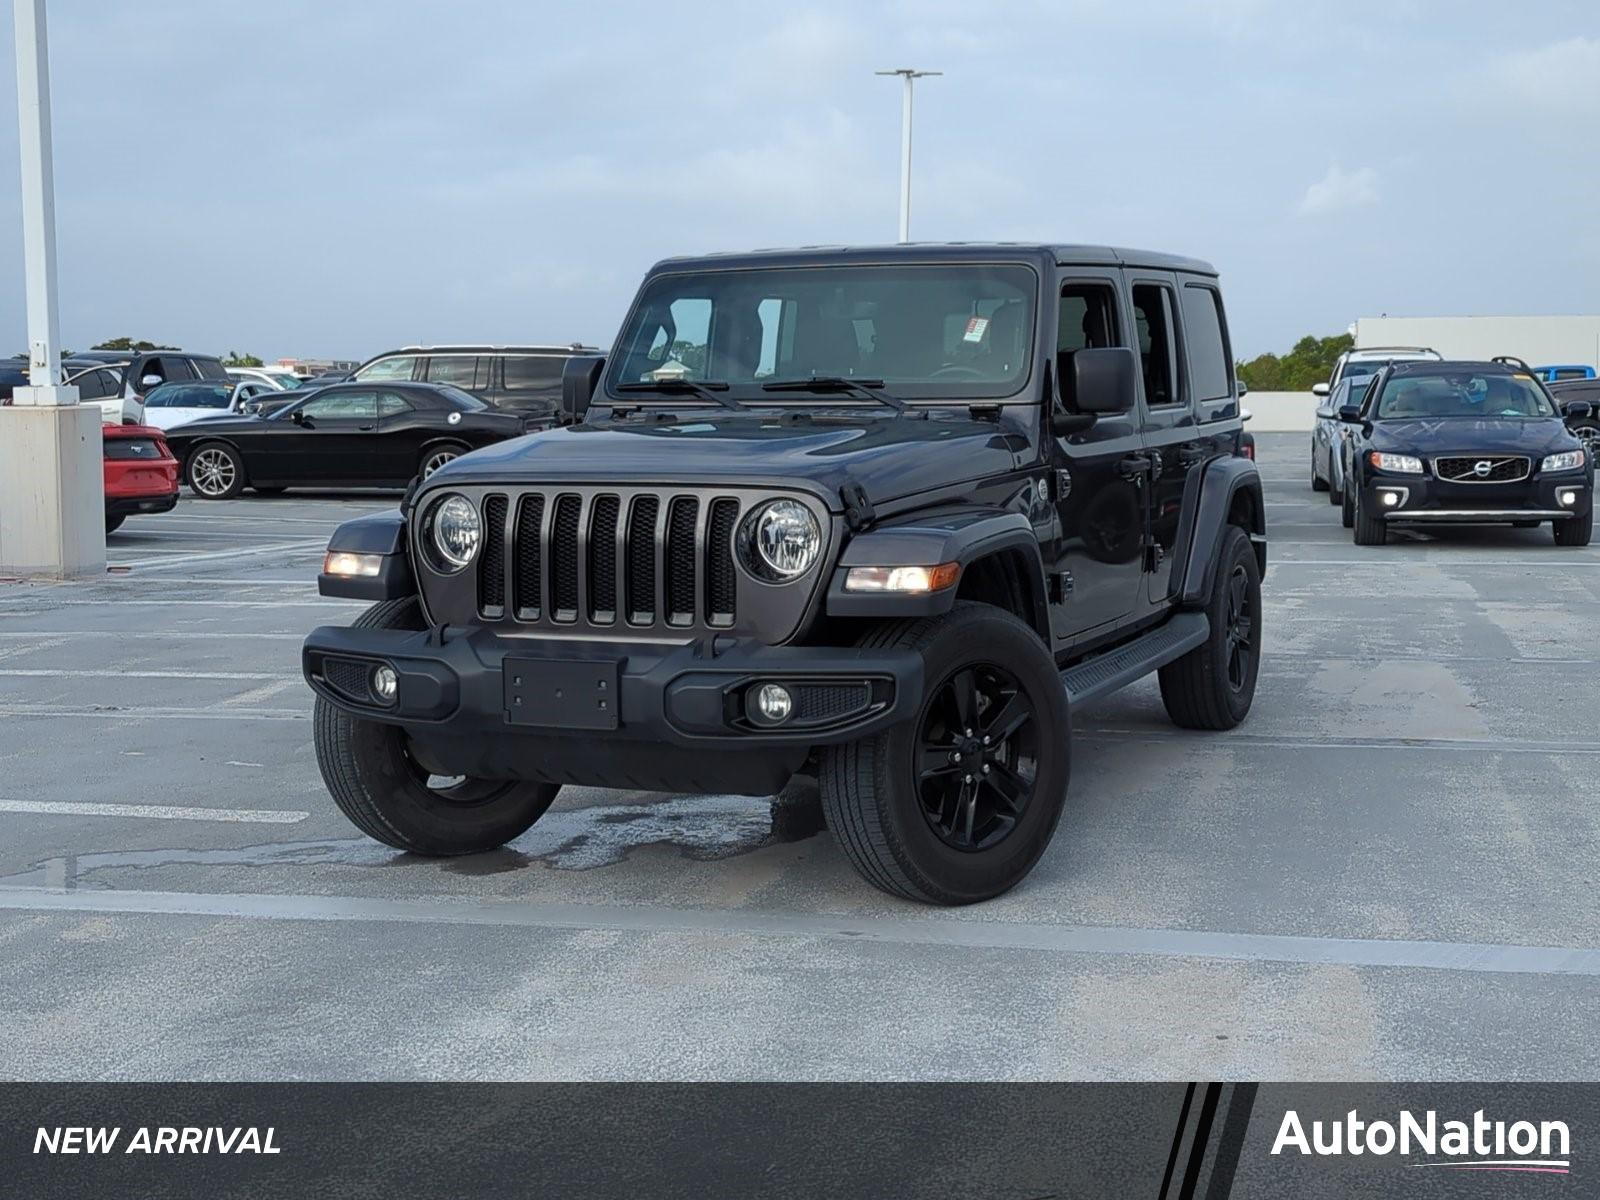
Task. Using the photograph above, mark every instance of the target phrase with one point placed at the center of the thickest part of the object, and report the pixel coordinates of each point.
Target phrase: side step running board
(1102, 675)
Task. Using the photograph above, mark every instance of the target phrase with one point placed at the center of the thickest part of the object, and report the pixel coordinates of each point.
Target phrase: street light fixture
(910, 75)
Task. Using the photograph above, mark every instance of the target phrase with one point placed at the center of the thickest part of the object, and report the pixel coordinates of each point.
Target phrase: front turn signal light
(909, 581)
(352, 566)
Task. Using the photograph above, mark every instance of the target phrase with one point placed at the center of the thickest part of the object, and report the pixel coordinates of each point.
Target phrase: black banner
(1018, 1142)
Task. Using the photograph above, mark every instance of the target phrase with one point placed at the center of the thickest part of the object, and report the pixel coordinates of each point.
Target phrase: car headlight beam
(455, 530)
(780, 541)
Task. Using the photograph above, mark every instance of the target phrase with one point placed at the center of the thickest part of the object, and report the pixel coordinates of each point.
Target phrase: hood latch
(858, 511)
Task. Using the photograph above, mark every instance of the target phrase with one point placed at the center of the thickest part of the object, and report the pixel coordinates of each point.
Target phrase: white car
(102, 387)
(282, 381)
(174, 404)
(1369, 360)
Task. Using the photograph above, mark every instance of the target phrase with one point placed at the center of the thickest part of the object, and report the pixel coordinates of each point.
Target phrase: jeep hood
(1472, 435)
(889, 457)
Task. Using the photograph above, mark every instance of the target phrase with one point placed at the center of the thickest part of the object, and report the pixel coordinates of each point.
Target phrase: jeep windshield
(950, 331)
(1447, 394)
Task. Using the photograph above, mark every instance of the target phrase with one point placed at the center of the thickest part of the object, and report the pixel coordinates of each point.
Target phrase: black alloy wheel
(1241, 628)
(977, 757)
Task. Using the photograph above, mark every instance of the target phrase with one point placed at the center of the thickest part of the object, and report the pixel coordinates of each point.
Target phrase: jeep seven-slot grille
(599, 558)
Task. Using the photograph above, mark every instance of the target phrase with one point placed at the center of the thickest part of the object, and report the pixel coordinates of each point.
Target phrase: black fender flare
(383, 535)
(964, 535)
(1225, 486)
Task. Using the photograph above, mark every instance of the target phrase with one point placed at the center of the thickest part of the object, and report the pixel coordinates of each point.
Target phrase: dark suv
(885, 516)
(517, 378)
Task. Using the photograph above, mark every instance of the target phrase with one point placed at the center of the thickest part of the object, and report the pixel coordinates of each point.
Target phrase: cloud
(1340, 189)
(1563, 74)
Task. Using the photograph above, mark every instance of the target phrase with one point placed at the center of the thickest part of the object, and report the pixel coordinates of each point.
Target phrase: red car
(141, 474)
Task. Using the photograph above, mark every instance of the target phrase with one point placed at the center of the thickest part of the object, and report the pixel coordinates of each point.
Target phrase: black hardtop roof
(1035, 253)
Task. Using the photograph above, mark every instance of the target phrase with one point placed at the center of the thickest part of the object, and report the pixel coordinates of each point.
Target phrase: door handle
(364, 428)
(1134, 467)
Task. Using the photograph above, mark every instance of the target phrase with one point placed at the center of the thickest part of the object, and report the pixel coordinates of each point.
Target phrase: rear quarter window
(534, 374)
(1207, 338)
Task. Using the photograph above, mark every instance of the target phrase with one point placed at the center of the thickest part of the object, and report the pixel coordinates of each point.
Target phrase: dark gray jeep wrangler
(882, 515)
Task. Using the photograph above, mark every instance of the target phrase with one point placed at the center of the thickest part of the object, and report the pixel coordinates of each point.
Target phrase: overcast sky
(335, 177)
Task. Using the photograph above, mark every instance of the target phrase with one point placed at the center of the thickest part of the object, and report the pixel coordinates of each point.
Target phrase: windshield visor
(943, 332)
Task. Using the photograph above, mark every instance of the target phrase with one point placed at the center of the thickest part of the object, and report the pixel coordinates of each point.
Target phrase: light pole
(910, 75)
(52, 499)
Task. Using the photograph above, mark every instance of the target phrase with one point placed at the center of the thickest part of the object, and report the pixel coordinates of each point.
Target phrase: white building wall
(1538, 341)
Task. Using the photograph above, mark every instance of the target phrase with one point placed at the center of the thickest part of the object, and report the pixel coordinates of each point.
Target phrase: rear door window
(1158, 344)
(534, 373)
(457, 370)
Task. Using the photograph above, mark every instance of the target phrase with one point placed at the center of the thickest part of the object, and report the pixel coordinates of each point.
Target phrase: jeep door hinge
(1060, 586)
(858, 511)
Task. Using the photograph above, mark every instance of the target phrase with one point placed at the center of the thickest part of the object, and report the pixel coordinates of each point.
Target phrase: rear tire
(387, 795)
(1574, 531)
(1369, 531)
(436, 456)
(1347, 510)
(927, 811)
(1213, 685)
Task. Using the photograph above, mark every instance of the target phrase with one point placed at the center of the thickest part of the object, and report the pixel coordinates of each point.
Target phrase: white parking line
(149, 634)
(944, 932)
(121, 673)
(160, 812)
(1394, 560)
(113, 712)
(7, 603)
(161, 564)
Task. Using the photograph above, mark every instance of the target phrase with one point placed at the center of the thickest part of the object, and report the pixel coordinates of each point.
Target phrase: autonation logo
(1476, 1145)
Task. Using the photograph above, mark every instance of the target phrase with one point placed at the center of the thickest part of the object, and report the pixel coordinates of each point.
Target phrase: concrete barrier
(1281, 412)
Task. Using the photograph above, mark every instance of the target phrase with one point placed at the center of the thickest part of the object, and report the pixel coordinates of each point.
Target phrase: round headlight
(782, 540)
(457, 530)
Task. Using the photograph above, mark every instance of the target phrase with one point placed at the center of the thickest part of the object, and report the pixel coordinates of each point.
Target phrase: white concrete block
(52, 491)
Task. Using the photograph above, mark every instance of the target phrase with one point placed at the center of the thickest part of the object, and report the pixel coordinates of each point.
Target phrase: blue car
(1559, 372)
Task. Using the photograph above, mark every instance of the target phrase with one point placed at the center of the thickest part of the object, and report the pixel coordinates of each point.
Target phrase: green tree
(235, 359)
(1311, 361)
(136, 347)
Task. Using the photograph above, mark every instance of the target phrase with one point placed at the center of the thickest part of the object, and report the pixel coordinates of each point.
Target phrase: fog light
(774, 703)
(1390, 499)
(1567, 498)
(385, 684)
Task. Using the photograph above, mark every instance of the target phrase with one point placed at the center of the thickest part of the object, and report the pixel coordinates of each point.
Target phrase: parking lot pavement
(1389, 871)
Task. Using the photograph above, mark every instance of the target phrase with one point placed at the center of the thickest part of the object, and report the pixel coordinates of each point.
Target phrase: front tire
(1574, 531)
(1370, 531)
(214, 471)
(1213, 685)
(958, 804)
(1347, 509)
(390, 797)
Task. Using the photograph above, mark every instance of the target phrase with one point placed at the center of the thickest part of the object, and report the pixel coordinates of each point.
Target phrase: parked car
(174, 404)
(1472, 443)
(1579, 401)
(895, 550)
(1369, 360)
(283, 381)
(118, 380)
(1562, 372)
(1328, 433)
(346, 435)
(141, 475)
(518, 378)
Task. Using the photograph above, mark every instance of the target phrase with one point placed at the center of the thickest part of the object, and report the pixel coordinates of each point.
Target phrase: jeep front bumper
(611, 714)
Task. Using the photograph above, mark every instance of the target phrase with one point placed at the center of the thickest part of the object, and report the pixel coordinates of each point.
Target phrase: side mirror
(1105, 382)
(1319, 390)
(1350, 413)
(580, 378)
(150, 381)
(1241, 389)
(1577, 408)
(298, 417)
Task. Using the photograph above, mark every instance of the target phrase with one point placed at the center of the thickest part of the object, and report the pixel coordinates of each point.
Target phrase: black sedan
(346, 435)
(1468, 443)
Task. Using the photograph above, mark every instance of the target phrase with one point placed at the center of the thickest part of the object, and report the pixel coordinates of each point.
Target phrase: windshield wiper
(824, 384)
(704, 389)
